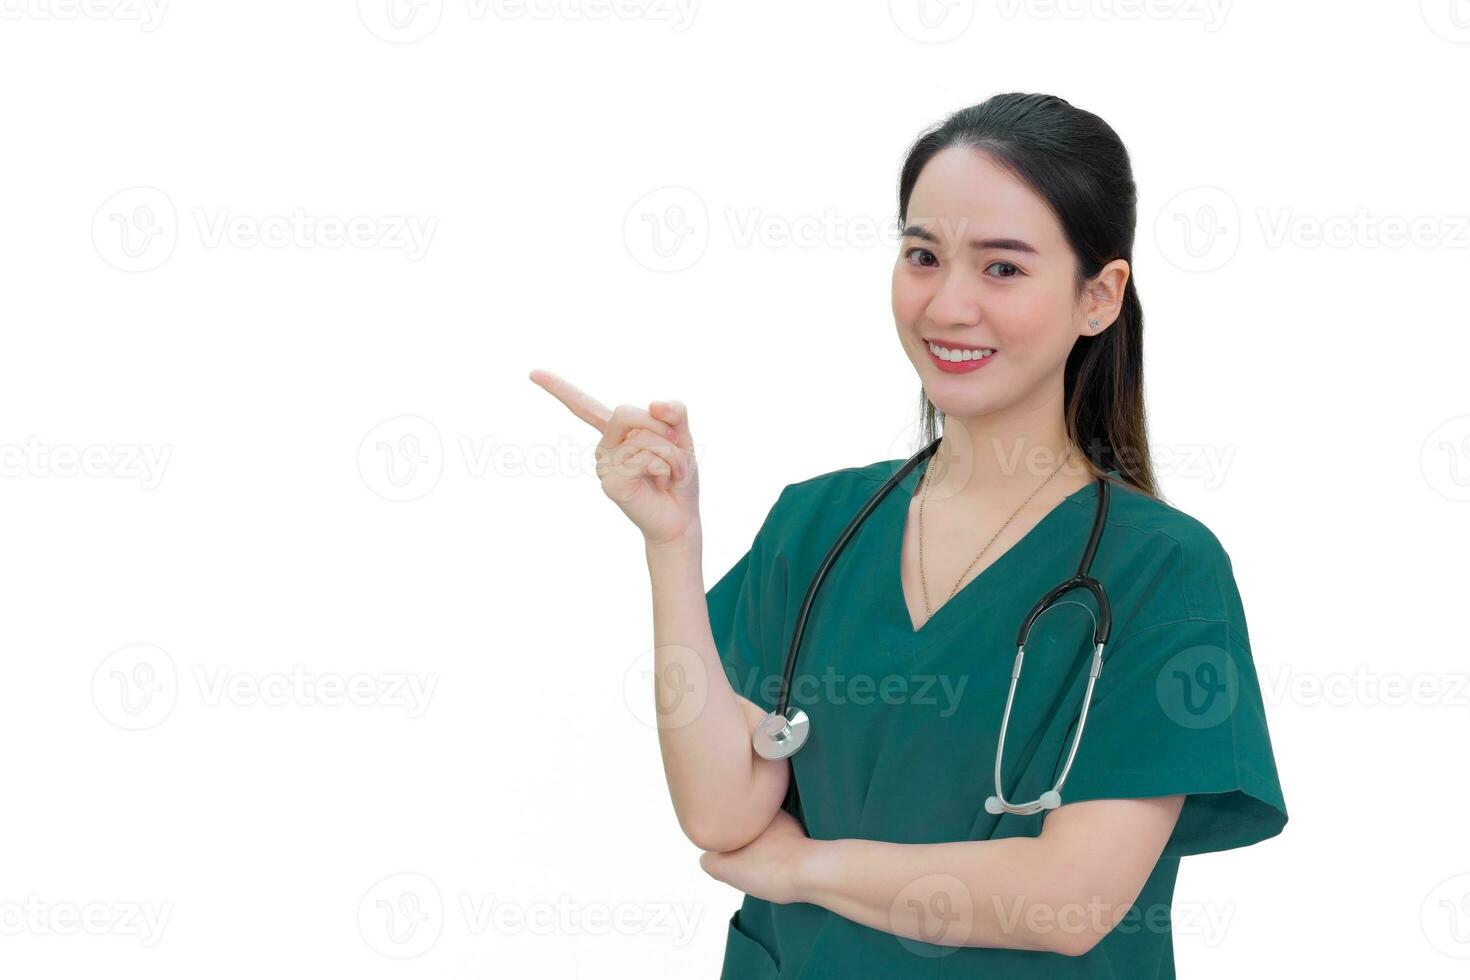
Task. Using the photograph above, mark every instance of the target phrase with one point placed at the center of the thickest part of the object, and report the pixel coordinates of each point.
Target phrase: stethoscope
(782, 732)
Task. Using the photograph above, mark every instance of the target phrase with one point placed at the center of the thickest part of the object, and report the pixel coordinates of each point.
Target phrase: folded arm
(1062, 891)
(1059, 892)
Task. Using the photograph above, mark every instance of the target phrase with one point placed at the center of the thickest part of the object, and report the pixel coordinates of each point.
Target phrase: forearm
(723, 793)
(1011, 892)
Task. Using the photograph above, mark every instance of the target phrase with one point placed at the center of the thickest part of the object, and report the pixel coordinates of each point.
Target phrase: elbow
(1078, 943)
(717, 840)
(1084, 916)
(1086, 905)
(1089, 922)
(716, 836)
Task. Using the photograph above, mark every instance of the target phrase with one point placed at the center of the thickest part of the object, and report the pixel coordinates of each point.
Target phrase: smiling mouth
(956, 353)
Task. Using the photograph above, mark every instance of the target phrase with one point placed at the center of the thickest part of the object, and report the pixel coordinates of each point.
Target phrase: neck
(1004, 457)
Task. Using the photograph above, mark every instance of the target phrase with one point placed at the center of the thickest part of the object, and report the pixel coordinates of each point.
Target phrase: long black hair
(1078, 165)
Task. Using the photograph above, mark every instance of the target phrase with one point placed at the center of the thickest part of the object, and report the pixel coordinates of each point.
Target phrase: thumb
(677, 415)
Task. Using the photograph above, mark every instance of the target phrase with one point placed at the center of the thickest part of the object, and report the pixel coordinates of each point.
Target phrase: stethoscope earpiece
(1049, 800)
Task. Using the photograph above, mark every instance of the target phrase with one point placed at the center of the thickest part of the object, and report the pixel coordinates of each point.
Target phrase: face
(983, 265)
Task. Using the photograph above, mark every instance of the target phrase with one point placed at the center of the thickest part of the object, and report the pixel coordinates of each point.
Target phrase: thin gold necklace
(923, 579)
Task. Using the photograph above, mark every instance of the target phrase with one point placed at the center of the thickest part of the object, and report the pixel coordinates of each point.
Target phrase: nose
(956, 302)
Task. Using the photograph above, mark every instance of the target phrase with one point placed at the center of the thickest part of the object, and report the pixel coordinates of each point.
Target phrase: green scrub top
(905, 722)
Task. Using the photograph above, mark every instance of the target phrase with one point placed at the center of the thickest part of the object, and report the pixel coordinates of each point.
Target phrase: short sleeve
(745, 615)
(1178, 709)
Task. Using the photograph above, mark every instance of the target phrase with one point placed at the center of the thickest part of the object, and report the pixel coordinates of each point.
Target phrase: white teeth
(945, 354)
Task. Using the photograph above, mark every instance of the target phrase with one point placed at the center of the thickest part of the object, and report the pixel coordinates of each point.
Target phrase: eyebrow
(980, 244)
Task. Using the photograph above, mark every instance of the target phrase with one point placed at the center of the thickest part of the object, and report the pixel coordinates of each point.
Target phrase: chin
(961, 406)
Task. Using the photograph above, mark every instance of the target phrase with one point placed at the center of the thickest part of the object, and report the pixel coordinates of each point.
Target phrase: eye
(1007, 265)
(915, 251)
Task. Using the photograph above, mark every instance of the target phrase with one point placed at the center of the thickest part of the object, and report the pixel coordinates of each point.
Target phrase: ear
(1104, 297)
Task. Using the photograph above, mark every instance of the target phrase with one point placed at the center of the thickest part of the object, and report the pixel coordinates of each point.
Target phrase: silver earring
(1092, 323)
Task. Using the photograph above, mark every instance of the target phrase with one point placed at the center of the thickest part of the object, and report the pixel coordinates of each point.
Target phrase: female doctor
(872, 852)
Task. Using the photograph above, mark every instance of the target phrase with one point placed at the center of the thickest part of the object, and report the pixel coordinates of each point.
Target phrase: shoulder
(835, 489)
(863, 480)
(1141, 515)
(815, 509)
(1177, 563)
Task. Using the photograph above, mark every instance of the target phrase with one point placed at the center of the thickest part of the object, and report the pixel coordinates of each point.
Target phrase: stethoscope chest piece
(778, 737)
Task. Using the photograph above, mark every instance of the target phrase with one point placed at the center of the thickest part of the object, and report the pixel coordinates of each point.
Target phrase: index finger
(582, 405)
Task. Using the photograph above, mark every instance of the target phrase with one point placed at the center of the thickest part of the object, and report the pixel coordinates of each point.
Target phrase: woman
(872, 851)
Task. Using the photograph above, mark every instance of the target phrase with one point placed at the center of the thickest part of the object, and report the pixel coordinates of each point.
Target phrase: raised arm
(724, 795)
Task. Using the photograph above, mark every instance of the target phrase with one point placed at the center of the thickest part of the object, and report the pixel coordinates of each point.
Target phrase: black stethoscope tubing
(1102, 624)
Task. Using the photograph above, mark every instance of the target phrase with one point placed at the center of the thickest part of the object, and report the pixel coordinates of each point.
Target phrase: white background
(1305, 380)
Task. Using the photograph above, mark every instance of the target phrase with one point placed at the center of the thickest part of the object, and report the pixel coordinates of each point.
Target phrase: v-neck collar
(963, 601)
